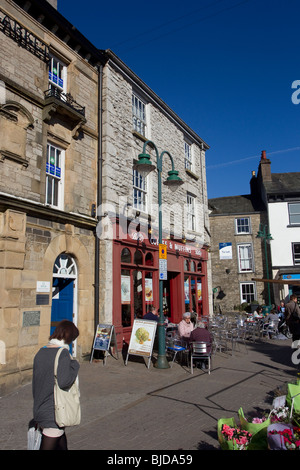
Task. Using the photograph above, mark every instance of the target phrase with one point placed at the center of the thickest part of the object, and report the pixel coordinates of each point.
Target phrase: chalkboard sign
(105, 338)
(142, 339)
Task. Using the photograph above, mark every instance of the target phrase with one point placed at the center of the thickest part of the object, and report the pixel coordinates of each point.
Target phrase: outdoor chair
(270, 329)
(200, 350)
(237, 336)
(175, 346)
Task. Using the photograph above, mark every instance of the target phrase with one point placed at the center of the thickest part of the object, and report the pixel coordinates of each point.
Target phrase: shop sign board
(142, 339)
(105, 338)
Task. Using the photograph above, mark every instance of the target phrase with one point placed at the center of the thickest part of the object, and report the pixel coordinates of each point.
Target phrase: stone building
(76, 220)
(256, 237)
(236, 253)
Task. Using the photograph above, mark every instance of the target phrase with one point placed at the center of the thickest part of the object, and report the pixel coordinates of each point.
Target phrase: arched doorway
(64, 293)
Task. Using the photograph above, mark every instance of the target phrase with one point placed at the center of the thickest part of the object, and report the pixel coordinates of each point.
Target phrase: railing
(65, 98)
(23, 37)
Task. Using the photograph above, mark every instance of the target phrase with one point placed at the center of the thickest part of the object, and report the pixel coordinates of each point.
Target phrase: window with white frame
(247, 292)
(138, 115)
(57, 75)
(242, 225)
(296, 253)
(54, 176)
(294, 213)
(139, 185)
(191, 217)
(188, 156)
(245, 257)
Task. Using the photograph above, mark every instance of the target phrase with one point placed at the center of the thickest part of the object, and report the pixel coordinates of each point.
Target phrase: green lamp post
(264, 234)
(145, 166)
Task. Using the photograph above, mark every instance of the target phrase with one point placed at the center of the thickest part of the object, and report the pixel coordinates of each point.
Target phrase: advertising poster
(125, 289)
(148, 290)
(142, 338)
(102, 338)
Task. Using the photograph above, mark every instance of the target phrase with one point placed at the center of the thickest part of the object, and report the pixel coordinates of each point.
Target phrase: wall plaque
(31, 318)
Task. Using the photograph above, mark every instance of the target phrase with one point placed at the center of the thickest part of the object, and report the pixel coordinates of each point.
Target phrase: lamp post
(264, 234)
(145, 166)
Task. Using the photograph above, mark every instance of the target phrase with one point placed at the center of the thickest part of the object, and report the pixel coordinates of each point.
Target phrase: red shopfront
(136, 282)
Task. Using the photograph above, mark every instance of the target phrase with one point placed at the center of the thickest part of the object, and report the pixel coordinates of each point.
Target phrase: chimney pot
(263, 155)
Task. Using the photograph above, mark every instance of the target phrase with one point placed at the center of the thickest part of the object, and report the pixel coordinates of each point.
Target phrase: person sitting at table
(258, 313)
(201, 334)
(153, 314)
(185, 327)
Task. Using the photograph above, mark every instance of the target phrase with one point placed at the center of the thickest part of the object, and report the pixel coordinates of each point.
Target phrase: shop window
(138, 294)
(193, 287)
(137, 285)
(149, 260)
(126, 297)
(138, 257)
(125, 256)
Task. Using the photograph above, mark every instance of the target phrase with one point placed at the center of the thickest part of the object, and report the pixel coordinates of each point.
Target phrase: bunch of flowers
(291, 437)
(280, 415)
(258, 420)
(239, 437)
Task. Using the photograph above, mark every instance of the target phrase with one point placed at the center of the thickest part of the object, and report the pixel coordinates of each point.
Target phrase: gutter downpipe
(99, 194)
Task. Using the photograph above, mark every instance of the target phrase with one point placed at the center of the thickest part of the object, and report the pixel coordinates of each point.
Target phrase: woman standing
(53, 437)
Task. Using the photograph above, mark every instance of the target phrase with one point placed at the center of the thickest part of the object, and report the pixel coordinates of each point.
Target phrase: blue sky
(226, 67)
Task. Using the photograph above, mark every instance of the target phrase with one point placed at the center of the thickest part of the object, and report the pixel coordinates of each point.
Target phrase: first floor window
(139, 191)
(191, 217)
(296, 253)
(57, 75)
(247, 291)
(242, 225)
(245, 257)
(54, 176)
(294, 213)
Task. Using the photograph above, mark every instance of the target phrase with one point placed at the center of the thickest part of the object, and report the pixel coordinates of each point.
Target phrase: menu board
(142, 339)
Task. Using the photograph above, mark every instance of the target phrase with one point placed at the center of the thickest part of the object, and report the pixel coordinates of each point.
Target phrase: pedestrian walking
(53, 436)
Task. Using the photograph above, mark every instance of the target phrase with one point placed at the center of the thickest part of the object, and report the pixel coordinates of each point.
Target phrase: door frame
(75, 299)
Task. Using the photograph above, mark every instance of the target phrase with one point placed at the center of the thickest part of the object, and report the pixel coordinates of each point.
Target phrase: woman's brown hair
(65, 330)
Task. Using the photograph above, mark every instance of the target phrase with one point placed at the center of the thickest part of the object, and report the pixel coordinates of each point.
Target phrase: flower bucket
(225, 445)
(276, 441)
(253, 427)
(293, 390)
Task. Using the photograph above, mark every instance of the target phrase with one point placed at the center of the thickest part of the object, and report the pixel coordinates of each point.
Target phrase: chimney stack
(265, 167)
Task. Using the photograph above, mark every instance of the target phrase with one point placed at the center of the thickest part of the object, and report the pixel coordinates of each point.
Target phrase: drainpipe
(99, 193)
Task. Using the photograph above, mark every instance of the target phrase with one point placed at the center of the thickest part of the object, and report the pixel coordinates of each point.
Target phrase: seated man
(152, 314)
(185, 327)
(201, 334)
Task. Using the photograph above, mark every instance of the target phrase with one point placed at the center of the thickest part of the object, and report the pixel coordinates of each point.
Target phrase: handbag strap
(56, 361)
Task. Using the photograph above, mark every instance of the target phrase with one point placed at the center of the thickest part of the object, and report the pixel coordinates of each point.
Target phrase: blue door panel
(62, 301)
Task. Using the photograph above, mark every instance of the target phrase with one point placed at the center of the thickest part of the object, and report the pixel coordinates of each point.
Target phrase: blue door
(62, 301)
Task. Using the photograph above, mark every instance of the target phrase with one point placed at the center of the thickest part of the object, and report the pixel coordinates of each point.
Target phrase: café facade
(136, 275)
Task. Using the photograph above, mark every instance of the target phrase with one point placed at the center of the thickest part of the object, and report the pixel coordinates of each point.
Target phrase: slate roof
(283, 184)
(244, 204)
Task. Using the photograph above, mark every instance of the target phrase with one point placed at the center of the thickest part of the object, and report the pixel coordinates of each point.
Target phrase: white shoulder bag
(66, 402)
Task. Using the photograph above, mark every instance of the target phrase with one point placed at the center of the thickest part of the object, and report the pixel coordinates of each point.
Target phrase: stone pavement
(134, 408)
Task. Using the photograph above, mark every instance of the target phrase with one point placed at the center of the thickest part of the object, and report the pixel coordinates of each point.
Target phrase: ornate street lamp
(145, 166)
(264, 234)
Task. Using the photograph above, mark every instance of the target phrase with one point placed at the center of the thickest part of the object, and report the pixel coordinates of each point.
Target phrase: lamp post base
(162, 362)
